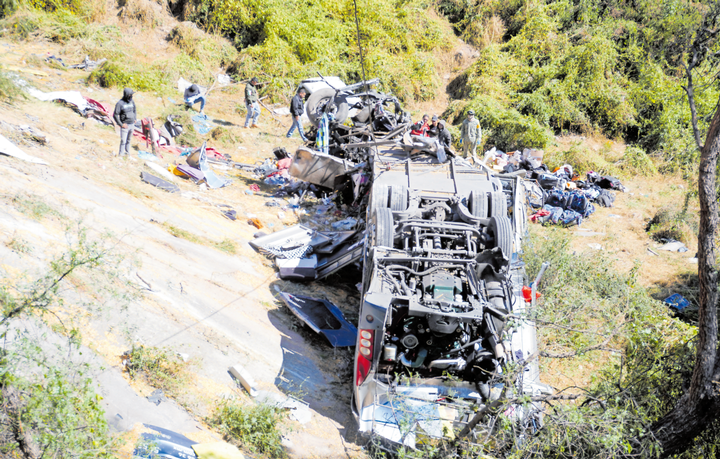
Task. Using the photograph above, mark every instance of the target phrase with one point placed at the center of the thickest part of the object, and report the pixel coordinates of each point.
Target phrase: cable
(362, 59)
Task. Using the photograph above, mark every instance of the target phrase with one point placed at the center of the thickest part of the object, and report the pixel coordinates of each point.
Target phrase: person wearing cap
(251, 103)
(470, 134)
(444, 136)
(433, 130)
(297, 108)
(125, 115)
(193, 95)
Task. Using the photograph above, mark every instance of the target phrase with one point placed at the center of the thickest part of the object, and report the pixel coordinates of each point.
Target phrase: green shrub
(115, 74)
(255, 427)
(8, 7)
(9, 91)
(675, 222)
(159, 367)
(636, 161)
(285, 42)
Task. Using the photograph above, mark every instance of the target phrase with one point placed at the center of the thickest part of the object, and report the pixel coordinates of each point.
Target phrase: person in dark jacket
(193, 95)
(433, 130)
(125, 116)
(444, 136)
(297, 107)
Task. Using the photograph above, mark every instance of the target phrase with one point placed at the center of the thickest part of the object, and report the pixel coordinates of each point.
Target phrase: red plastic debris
(527, 294)
(254, 187)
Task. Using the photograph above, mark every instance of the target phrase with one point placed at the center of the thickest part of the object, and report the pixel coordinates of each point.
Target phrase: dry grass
(485, 32)
(146, 13)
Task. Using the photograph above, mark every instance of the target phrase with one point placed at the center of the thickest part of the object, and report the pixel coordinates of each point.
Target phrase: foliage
(8, 7)
(9, 91)
(637, 162)
(253, 426)
(283, 42)
(114, 74)
(675, 222)
(582, 158)
(33, 206)
(589, 307)
(159, 367)
(581, 67)
(48, 401)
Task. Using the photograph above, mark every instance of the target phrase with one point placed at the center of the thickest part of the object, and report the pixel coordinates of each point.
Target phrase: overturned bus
(442, 330)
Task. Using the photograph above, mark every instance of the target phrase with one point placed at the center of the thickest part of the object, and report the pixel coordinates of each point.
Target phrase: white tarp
(71, 97)
(160, 170)
(9, 148)
(183, 84)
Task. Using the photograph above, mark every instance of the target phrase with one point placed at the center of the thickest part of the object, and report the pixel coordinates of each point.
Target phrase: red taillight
(365, 355)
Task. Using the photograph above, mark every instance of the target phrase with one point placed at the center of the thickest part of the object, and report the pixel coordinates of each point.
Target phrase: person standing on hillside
(193, 95)
(297, 108)
(470, 135)
(125, 115)
(251, 103)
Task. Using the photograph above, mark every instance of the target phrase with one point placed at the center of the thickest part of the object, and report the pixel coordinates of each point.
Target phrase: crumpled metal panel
(317, 168)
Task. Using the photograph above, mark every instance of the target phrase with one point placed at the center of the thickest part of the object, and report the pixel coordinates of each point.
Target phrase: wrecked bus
(441, 329)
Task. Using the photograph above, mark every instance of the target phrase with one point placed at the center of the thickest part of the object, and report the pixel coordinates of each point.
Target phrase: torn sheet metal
(317, 168)
(337, 238)
(8, 148)
(212, 180)
(164, 443)
(323, 317)
(158, 182)
(281, 243)
(348, 254)
(299, 269)
(194, 173)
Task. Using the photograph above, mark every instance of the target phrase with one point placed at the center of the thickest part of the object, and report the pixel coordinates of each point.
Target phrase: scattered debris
(323, 317)
(8, 148)
(160, 170)
(671, 245)
(165, 443)
(156, 397)
(87, 107)
(243, 377)
(677, 302)
(159, 183)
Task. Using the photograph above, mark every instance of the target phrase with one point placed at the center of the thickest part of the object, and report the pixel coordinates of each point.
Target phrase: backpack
(557, 198)
(553, 217)
(548, 181)
(580, 203)
(605, 198)
(570, 218)
(173, 128)
(609, 183)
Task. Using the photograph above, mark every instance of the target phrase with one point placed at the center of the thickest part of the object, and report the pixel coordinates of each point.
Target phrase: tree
(700, 405)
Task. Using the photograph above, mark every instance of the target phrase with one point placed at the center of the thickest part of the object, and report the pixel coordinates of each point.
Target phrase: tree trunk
(701, 404)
